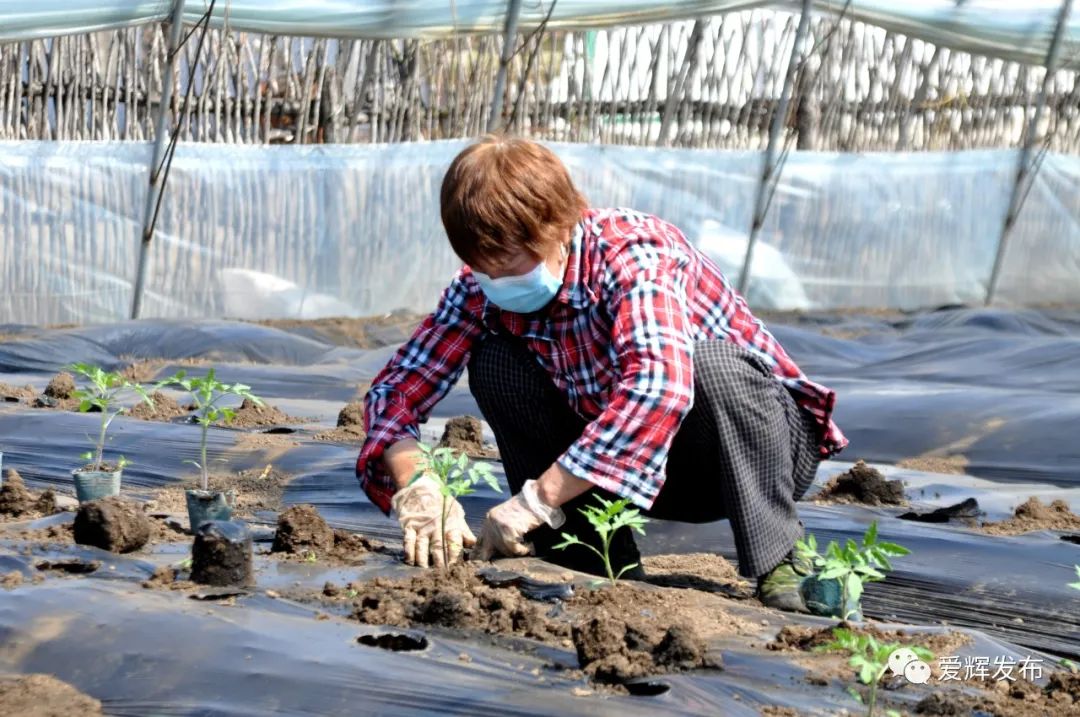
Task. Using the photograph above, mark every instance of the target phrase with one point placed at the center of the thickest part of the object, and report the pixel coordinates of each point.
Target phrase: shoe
(781, 587)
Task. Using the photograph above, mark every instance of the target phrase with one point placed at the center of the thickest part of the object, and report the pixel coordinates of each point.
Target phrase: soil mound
(1020, 698)
(1033, 514)
(350, 425)
(11, 580)
(15, 500)
(865, 485)
(113, 524)
(352, 415)
(163, 408)
(301, 528)
(61, 386)
(44, 696)
(465, 434)
(253, 415)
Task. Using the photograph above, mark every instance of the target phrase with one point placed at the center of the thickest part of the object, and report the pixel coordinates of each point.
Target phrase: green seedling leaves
(455, 475)
(101, 390)
(606, 519)
(851, 563)
(1076, 585)
(868, 658)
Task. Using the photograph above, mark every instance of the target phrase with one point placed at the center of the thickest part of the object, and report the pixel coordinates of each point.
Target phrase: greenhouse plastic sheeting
(998, 28)
(347, 230)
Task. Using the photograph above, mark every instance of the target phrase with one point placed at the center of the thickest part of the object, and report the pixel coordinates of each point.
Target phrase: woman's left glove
(506, 525)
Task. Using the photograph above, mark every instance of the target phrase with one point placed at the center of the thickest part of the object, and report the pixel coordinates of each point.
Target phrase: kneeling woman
(610, 357)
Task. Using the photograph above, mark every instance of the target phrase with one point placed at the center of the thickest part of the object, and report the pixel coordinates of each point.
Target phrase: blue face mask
(521, 294)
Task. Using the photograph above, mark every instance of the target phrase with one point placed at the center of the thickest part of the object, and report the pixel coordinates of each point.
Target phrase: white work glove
(505, 526)
(419, 508)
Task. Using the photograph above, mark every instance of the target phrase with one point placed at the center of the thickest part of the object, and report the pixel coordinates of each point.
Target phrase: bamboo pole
(770, 165)
(513, 14)
(1025, 167)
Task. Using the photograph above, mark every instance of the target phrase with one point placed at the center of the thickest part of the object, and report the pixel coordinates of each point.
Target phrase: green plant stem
(873, 698)
(101, 439)
(442, 531)
(607, 558)
(202, 456)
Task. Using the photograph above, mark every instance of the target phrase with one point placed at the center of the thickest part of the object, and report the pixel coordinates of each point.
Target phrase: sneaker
(781, 587)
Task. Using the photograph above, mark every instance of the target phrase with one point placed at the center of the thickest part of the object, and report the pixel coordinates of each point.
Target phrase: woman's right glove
(419, 508)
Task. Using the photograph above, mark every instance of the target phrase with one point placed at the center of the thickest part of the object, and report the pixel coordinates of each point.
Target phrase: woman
(609, 357)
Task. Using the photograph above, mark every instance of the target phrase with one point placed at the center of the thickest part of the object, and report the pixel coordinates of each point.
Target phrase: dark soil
(1033, 514)
(618, 633)
(301, 529)
(44, 696)
(98, 467)
(862, 484)
(61, 386)
(221, 554)
(465, 434)
(164, 408)
(253, 415)
(114, 524)
(14, 394)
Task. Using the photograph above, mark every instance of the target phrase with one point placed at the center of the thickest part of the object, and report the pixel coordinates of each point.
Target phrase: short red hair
(505, 194)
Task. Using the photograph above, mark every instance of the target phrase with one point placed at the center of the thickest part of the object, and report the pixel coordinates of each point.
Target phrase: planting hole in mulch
(72, 566)
(647, 689)
(44, 696)
(395, 641)
(862, 484)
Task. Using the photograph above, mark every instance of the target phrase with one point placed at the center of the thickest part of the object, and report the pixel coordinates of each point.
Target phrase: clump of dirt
(142, 370)
(862, 484)
(165, 531)
(61, 386)
(15, 500)
(162, 408)
(301, 528)
(647, 636)
(44, 696)
(14, 394)
(113, 524)
(613, 651)
(778, 711)
(253, 415)
(166, 577)
(11, 580)
(807, 639)
(466, 435)
(256, 490)
(1033, 514)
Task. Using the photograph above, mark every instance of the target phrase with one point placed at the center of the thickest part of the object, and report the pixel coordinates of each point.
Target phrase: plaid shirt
(617, 341)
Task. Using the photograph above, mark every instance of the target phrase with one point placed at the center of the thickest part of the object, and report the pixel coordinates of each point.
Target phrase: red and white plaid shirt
(617, 341)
